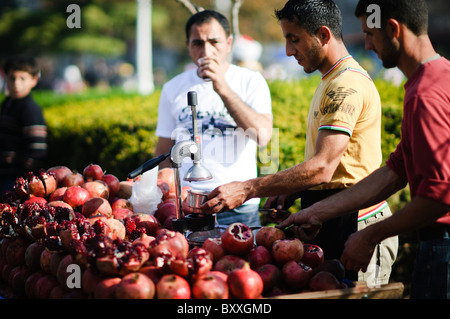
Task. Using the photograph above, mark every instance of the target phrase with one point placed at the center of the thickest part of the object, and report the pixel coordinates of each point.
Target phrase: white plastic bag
(145, 194)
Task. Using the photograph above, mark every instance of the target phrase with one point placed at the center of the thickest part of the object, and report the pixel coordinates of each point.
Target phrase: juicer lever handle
(148, 165)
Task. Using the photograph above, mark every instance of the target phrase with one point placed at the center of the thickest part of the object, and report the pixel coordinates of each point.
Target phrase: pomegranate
(148, 222)
(167, 175)
(312, 255)
(55, 260)
(284, 250)
(164, 187)
(259, 256)
(41, 185)
(97, 188)
(33, 256)
(152, 272)
(106, 288)
(57, 293)
(172, 286)
(73, 179)
(121, 213)
(238, 239)
(210, 286)
(296, 274)
(267, 235)
(15, 252)
(60, 172)
(165, 211)
(116, 228)
(245, 283)
(57, 195)
(89, 280)
(17, 279)
(46, 257)
(125, 189)
(60, 203)
(135, 286)
(30, 284)
(324, 280)
(228, 263)
(35, 199)
(113, 184)
(96, 206)
(76, 196)
(92, 172)
(121, 203)
(271, 276)
(214, 246)
(44, 286)
(199, 261)
(171, 243)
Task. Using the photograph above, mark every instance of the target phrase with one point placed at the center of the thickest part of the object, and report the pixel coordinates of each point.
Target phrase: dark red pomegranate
(271, 276)
(57, 195)
(324, 280)
(97, 188)
(171, 243)
(89, 280)
(96, 206)
(60, 172)
(259, 256)
(113, 184)
(33, 256)
(106, 288)
(312, 256)
(284, 250)
(73, 179)
(296, 274)
(214, 246)
(267, 235)
(245, 283)
(135, 286)
(76, 196)
(172, 286)
(228, 263)
(210, 286)
(92, 172)
(238, 239)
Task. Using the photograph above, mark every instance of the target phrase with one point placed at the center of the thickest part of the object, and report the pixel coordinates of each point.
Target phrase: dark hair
(311, 15)
(21, 63)
(204, 17)
(412, 13)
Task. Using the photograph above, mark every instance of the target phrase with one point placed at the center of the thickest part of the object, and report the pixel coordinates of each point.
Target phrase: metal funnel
(197, 172)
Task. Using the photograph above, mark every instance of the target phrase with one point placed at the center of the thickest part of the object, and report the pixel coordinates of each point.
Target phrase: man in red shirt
(421, 159)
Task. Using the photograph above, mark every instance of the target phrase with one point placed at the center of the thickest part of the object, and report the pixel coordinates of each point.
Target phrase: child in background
(23, 130)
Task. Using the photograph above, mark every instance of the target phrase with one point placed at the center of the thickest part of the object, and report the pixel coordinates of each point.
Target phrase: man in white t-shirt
(234, 111)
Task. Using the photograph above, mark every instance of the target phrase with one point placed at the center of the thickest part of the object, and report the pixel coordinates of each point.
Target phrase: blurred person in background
(234, 110)
(23, 130)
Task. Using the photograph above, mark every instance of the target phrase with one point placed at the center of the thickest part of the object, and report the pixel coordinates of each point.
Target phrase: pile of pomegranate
(59, 218)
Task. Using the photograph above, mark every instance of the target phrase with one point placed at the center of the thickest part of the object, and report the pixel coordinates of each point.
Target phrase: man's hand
(305, 227)
(280, 202)
(225, 197)
(357, 252)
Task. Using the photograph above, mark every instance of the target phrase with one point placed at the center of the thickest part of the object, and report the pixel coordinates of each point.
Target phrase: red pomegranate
(271, 276)
(121, 213)
(238, 239)
(152, 272)
(15, 252)
(284, 250)
(172, 286)
(35, 199)
(214, 246)
(259, 256)
(121, 203)
(324, 280)
(125, 189)
(97, 188)
(169, 242)
(57, 195)
(92, 172)
(228, 263)
(312, 256)
(267, 235)
(73, 179)
(135, 286)
(33, 256)
(18, 278)
(147, 221)
(89, 280)
(210, 286)
(46, 257)
(167, 210)
(60, 172)
(44, 286)
(296, 274)
(113, 184)
(245, 283)
(41, 185)
(76, 196)
(167, 175)
(30, 284)
(96, 206)
(106, 288)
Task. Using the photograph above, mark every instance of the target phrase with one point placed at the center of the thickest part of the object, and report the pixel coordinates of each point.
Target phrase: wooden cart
(360, 291)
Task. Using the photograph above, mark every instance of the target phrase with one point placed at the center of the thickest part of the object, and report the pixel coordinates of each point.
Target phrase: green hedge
(117, 130)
